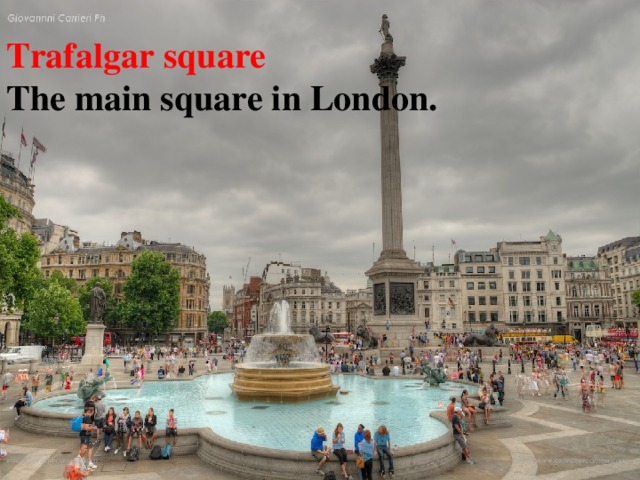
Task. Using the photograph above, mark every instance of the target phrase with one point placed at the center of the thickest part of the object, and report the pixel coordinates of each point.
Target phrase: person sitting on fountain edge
(318, 450)
(161, 373)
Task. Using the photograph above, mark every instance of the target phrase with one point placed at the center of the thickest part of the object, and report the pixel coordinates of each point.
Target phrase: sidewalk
(550, 439)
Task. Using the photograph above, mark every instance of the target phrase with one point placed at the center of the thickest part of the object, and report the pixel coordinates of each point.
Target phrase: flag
(38, 145)
(453, 242)
(33, 160)
(3, 123)
(23, 139)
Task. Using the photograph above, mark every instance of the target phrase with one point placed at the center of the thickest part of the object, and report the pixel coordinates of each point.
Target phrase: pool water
(403, 405)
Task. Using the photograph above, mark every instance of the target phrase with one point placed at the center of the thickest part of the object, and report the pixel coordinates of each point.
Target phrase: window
(304, 305)
(557, 285)
(472, 316)
(106, 272)
(493, 300)
(480, 269)
(538, 260)
(71, 273)
(191, 289)
(586, 311)
(441, 283)
(556, 273)
(482, 300)
(558, 302)
(526, 286)
(303, 291)
(443, 312)
(528, 316)
(574, 292)
(513, 316)
(426, 285)
(555, 260)
(510, 261)
(469, 270)
(469, 285)
(538, 273)
(524, 260)
(576, 312)
(525, 274)
(427, 313)
(513, 286)
(493, 285)
(596, 310)
(337, 304)
(540, 286)
(542, 317)
(483, 317)
(541, 302)
(492, 269)
(471, 300)
(482, 286)
(494, 316)
(94, 272)
(512, 274)
(513, 301)
(526, 301)
(452, 283)
(426, 298)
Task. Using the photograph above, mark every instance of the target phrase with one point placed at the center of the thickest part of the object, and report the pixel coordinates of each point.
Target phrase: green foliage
(19, 256)
(151, 295)
(635, 297)
(65, 282)
(84, 298)
(217, 322)
(50, 302)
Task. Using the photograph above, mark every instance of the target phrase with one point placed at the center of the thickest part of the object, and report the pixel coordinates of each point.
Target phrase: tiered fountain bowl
(282, 366)
(286, 377)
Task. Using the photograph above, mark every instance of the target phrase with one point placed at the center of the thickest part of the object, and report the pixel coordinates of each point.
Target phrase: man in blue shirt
(318, 450)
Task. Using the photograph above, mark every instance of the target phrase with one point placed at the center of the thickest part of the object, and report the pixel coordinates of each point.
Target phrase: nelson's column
(394, 275)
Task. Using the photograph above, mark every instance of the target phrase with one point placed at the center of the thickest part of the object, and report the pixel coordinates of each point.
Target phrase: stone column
(386, 67)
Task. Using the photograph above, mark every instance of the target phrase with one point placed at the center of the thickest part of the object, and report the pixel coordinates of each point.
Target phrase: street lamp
(327, 330)
(56, 320)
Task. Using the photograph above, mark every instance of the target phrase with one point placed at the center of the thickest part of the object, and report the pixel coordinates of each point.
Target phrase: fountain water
(282, 366)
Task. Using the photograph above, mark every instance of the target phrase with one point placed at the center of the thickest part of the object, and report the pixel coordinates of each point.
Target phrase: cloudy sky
(536, 128)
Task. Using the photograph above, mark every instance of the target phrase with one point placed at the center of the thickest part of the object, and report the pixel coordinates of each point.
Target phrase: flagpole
(20, 151)
(4, 121)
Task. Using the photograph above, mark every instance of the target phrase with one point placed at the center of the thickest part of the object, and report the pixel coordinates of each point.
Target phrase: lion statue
(318, 336)
(488, 339)
(368, 341)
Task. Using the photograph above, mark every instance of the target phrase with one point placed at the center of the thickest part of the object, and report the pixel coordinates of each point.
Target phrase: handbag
(360, 462)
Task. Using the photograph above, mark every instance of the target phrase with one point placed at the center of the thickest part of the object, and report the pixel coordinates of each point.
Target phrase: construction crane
(245, 272)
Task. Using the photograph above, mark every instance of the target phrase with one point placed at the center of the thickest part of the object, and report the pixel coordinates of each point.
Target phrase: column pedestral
(93, 345)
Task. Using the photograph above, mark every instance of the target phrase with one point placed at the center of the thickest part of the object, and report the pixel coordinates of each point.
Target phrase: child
(172, 427)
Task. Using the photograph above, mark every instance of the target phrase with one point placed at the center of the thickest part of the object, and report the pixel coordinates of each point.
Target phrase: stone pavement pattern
(550, 440)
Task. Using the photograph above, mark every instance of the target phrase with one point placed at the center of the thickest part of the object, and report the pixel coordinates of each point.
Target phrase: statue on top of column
(384, 30)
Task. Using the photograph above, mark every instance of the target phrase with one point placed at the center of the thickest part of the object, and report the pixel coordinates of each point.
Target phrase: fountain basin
(268, 382)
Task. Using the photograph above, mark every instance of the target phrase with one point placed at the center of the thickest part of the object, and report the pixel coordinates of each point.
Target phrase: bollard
(508, 366)
(522, 366)
(32, 368)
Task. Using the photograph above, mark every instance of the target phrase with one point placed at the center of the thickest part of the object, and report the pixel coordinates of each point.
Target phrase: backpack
(76, 424)
(166, 452)
(132, 454)
(329, 476)
(156, 452)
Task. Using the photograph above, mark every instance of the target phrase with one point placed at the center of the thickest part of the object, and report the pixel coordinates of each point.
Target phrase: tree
(84, 298)
(68, 283)
(635, 299)
(54, 312)
(217, 322)
(151, 295)
(19, 256)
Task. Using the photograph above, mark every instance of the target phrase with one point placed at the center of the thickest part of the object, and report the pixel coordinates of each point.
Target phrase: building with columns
(314, 300)
(358, 307)
(85, 260)
(620, 261)
(439, 300)
(588, 293)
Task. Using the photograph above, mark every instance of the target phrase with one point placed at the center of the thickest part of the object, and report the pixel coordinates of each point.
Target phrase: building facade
(481, 289)
(17, 190)
(620, 261)
(245, 309)
(313, 299)
(439, 300)
(589, 300)
(534, 292)
(82, 261)
(358, 307)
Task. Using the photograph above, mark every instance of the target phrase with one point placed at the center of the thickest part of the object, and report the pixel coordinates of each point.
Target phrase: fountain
(282, 366)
